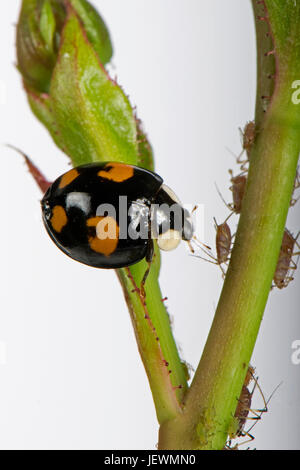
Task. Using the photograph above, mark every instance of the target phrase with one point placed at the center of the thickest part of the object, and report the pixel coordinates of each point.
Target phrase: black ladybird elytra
(106, 214)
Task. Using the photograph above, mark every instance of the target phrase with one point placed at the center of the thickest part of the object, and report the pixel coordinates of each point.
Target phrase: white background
(70, 373)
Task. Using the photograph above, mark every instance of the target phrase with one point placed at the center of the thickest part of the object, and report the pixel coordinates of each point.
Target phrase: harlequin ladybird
(107, 214)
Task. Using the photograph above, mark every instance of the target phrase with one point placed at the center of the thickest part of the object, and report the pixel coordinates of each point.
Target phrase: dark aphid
(248, 138)
(241, 415)
(285, 264)
(223, 245)
(243, 406)
(223, 241)
(243, 409)
(249, 135)
(238, 189)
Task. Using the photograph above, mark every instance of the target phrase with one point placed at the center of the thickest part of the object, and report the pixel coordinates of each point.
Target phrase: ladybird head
(171, 222)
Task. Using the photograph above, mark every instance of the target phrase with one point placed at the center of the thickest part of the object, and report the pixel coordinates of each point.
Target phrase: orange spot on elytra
(67, 178)
(117, 172)
(107, 235)
(59, 218)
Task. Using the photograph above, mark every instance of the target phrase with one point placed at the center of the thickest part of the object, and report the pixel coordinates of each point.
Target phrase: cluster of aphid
(224, 238)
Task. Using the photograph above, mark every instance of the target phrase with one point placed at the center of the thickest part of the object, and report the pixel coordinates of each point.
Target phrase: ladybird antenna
(190, 246)
(195, 239)
(195, 208)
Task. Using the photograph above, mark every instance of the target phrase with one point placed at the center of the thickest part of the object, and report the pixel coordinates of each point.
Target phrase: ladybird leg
(190, 246)
(149, 259)
(200, 244)
(37, 175)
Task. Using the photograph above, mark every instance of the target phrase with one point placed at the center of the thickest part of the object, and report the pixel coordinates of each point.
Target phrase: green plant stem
(212, 398)
(266, 67)
(155, 340)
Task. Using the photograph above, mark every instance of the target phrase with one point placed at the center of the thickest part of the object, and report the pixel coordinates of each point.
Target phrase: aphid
(243, 409)
(285, 263)
(249, 135)
(223, 245)
(223, 241)
(244, 403)
(248, 139)
(238, 189)
(241, 415)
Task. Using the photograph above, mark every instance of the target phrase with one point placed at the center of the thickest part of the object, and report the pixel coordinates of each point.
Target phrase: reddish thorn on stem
(136, 289)
(179, 387)
(37, 175)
